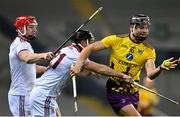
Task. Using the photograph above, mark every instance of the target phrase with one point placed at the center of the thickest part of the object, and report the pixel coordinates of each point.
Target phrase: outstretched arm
(30, 58)
(153, 72)
(96, 46)
(105, 70)
(84, 73)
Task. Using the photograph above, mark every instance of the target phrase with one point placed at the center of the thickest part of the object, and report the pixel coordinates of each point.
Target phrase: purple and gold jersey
(126, 56)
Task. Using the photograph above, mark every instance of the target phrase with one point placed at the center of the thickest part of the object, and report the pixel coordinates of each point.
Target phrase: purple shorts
(119, 100)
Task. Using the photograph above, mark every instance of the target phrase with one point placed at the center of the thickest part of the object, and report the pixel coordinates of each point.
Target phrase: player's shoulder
(18, 42)
(118, 36)
(67, 49)
(123, 36)
(146, 44)
(71, 49)
(115, 38)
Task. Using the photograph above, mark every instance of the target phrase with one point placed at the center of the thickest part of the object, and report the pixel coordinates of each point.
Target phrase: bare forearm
(107, 71)
(102, 69)
(33, 58)
(155, 73)
(30, 58)
(84, 73)
(97, 46)
(83, 56)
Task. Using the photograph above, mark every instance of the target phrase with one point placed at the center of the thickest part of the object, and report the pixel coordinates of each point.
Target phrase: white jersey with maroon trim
(54, 79)
(23, 75)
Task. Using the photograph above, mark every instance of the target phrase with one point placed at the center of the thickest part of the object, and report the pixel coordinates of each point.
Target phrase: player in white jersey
(23, 68)
(51, 83)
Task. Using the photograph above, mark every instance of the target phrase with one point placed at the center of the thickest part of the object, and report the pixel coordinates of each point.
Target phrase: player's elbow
(28, 61)
(25, 59)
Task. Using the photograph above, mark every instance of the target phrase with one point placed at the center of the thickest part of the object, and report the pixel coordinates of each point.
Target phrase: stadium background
(57, 19)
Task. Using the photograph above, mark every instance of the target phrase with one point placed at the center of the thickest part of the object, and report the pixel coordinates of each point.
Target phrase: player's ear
(131, 28)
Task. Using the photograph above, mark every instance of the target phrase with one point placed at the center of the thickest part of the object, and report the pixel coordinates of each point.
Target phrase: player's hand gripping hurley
(92, 16)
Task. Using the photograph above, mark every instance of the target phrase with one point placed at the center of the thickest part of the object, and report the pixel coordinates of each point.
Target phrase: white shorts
(42, 105)
(19, 105)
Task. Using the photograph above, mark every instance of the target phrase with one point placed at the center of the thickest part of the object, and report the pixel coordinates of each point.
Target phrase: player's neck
(133, 39)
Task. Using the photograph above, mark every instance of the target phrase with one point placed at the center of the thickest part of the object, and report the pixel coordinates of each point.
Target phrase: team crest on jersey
(129, 56)
(140, 51)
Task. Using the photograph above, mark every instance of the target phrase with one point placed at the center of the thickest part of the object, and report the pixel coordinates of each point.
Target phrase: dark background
(57, 19)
